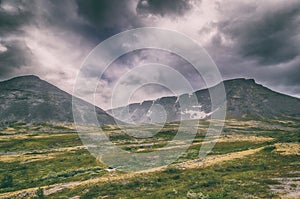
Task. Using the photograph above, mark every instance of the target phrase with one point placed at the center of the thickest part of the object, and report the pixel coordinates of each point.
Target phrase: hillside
(32, 100)
(245, 99)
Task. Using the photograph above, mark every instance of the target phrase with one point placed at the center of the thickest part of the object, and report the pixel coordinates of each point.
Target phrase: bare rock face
(32, 100)
(244, 98)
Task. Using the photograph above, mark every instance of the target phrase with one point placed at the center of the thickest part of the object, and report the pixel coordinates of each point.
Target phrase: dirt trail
(208, 161)
(219, 139)
(211, 160)
(288, 148)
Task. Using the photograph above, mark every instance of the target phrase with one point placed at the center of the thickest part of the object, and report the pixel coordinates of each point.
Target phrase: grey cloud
(288, 75)
(108, 17)
(174, 8)
(249, 39)
(147, 56)
(17, 55)
(11, 23)
(269, 37)
(257, 40)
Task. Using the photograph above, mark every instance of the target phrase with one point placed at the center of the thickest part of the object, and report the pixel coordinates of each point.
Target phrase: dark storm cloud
(108, 17)
(16, 55)
(166, 7)
(12, 21)
(254, 39)
(270, 37)
(257, 40)
(22, 13)
(92, 20)
(104, 13)
(16, 52)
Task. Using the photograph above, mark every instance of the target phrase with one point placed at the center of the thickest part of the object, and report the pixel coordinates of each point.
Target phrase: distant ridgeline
(245, 100)
(32, 100)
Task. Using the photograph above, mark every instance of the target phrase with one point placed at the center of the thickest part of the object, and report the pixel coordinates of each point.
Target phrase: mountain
(244, 98)
(32, 100)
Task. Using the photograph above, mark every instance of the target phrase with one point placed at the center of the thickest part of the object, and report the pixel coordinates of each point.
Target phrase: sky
(250, 39)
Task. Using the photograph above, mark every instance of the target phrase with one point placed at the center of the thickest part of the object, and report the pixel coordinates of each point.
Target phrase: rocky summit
(32, 100)
(244, 99)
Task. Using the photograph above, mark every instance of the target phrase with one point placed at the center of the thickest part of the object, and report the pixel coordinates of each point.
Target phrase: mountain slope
(245, 99)
(30, 99)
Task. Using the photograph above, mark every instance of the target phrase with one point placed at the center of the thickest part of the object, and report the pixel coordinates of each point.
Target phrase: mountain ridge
(33, 100)
(245, 99)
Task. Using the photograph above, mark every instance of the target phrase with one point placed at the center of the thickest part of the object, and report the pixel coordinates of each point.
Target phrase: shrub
(269, 148)
(40, 193)
(7, 181)
(172, 170)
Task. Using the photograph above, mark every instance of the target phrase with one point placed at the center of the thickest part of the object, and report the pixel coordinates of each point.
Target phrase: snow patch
(194, 114)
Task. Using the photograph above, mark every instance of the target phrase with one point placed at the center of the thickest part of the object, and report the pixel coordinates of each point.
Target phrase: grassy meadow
(251, 159)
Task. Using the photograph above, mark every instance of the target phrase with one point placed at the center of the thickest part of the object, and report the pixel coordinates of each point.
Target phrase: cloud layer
(255, 39)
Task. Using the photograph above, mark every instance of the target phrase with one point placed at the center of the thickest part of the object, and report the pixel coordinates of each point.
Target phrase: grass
(67, 166)
(32, 143)
(242, 178)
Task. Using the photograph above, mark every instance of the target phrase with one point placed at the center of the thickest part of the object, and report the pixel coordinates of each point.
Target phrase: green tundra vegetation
(35, 159)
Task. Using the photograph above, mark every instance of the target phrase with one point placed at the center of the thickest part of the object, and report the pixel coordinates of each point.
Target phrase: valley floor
(251, 159)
